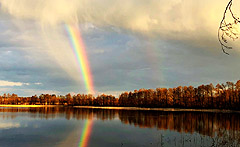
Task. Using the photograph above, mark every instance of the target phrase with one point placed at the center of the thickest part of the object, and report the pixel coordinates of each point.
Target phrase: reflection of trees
(189, 122)
(225, 126)
(54, 112)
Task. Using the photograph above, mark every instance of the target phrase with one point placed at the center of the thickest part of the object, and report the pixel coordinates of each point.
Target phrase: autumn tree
(229, 28)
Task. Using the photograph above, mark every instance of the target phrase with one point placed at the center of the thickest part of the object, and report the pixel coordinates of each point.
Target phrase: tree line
(221, 96)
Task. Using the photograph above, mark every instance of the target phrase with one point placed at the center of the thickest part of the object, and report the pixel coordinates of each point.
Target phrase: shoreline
(130, 108)
(161, 109)
(32, 106)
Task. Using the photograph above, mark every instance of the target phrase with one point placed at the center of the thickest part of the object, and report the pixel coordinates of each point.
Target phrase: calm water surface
(116, 128)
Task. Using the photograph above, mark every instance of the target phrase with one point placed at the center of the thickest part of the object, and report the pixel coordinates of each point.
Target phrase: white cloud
(9, 125)
(191, 21)
(30, 92)
(38, 83)
(152, 16)
(8, 83)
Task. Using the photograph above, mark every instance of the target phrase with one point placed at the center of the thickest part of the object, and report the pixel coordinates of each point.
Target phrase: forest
(221, 96)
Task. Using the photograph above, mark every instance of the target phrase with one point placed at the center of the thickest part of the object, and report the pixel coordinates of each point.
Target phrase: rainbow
(81, 56)
(86, 133)
(82, 61)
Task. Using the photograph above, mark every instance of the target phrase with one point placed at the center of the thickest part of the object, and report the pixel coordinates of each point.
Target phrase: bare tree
(228, 29)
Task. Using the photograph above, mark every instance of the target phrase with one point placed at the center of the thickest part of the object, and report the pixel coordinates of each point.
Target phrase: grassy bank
(161, 109)
(31, 106)
(131, 108)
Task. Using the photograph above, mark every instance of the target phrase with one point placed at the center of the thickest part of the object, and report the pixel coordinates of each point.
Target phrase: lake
(67, 126)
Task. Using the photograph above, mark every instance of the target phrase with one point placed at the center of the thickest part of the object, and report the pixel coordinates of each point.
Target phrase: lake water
(116, 128)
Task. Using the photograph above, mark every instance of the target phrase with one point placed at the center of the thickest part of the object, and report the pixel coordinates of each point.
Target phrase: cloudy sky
(131, 44)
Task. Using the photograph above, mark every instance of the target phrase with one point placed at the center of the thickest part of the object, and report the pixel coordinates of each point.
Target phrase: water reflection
(223, 129)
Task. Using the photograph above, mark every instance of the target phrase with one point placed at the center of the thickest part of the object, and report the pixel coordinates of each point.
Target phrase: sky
(130, 44)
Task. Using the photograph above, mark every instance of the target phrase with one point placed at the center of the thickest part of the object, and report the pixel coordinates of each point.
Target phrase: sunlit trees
(222, 96)
(123, 99)
(237, 92)
(33, 100)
